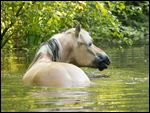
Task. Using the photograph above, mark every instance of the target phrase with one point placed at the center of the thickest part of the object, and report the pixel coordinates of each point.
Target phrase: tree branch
(2, 44)
(6, 29)
(17, 14)
(12, 23)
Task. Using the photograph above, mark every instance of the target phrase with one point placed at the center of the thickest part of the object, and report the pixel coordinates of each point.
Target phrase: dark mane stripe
(53, 45)
(54, 51)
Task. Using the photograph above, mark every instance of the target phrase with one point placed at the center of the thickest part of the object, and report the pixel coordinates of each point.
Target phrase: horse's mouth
(101, 66)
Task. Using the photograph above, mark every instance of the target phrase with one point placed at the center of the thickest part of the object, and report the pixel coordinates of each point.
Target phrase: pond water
(125, 88)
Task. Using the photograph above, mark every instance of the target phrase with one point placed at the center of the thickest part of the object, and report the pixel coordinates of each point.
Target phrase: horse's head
(79, 49)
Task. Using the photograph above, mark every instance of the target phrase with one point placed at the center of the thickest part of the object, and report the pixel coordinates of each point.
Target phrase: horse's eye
(90, 44)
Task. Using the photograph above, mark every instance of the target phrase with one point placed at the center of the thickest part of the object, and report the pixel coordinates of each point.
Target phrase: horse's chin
(102, 66)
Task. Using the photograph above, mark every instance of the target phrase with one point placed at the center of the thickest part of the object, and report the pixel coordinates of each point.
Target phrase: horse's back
(56, 74)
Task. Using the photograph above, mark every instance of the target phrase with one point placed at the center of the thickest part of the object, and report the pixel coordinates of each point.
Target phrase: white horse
(74, 47)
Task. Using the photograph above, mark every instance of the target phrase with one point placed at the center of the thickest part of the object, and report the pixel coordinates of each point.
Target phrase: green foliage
(28, 23)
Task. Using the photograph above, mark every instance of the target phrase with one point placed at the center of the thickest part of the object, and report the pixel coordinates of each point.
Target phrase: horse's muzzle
(101, 61)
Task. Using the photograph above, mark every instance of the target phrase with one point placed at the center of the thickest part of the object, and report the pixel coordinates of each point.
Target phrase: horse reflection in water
(55, 63)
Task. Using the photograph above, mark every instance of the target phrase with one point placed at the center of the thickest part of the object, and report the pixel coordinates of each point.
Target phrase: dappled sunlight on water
(124, 86)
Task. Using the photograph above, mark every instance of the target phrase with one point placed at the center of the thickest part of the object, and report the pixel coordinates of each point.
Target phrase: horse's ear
(77, 30)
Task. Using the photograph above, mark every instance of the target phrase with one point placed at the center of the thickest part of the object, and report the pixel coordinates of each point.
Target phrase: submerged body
(56, 74)
(55, 63)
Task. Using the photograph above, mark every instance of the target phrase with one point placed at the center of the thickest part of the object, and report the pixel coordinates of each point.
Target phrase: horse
(58, 60)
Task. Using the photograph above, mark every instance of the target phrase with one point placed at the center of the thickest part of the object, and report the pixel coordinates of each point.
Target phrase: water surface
(124, 88)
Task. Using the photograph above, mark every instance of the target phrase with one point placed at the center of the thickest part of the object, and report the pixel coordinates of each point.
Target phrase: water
(124, 88)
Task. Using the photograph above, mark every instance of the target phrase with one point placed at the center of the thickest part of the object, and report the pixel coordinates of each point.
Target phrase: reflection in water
(123, 86)
(66, 100)
(63, 109)
(67, 93)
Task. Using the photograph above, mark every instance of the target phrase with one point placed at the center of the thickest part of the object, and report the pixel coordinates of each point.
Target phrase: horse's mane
(53, 50)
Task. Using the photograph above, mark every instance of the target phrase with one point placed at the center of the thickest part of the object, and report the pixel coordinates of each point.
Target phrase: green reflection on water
(125, 88)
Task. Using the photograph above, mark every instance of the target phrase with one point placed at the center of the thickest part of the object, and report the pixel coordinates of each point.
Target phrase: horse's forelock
(72, 30)
(86, 36)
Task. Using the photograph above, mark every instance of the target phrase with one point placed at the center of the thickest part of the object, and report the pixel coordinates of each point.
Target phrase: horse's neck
(56, 49)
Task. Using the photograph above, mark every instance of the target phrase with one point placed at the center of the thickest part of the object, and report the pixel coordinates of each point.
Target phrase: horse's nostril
(104, 58)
